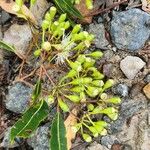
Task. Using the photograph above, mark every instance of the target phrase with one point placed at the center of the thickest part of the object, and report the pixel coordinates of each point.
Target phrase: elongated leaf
(67, 7)
(30, 121)
(4, 45)
(58, 134)
(36, 91)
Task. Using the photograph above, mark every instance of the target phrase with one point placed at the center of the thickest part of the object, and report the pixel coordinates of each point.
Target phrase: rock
(1, 35)
(129, 108)
(19, 36)
(146, 90)
(39, 9)
(96, 146)
(4, 17)
(116, 147)
(121, 90)
(98, 31)
(107, 141)
(40, 140)
(126, 147)
(147, 78)
(18, 97)
(6, 140)
(129, 29)
(131, 65)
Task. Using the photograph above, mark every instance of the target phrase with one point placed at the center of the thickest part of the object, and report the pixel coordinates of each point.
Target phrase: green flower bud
(45, 24)
(82, 97)
(48, 17)
(101, 123)
(71, 73)
(63, 105)
(86, 80)
(77, 89)
(109, 83)
(114, 100)
(109, 110)
(75, 65)
(76, 128)
(87, 137)
(98, 83)
(90, 37)
(37, 52)
(83, 81)
(97, 110)
(67, 25)
(99, 128)
(104, 96)
(80, 46)
(113, 116)
(90, 107)
(54, 26)
(52, 12)
(62, 18)
(78, 37)
(94, 131)
(46, 46)
(76, 29)
(89, 62)
(96, 74)
(92, 91)
(89, 4)
(81, 58)
(96, 54)
(73, 98)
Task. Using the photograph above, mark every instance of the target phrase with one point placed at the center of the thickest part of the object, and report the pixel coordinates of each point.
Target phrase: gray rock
(131, 65)
(129, 29)
(96, 146)
(40, 140)
(18, 97)
(1, 35)
(6, 140)
(128, 109)
(39, 9)
(19, 36)
(4, 17)
(98, 31)
(121, 90)
(147, 78)
(107, 141)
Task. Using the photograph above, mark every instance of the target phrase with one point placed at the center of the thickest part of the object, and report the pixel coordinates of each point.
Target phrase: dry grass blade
(69, 123)
(9, 8)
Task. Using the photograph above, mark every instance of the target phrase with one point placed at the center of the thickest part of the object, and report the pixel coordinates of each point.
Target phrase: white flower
(66, 48)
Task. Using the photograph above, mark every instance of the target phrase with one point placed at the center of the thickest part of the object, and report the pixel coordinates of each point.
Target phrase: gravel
(129, 29)
(131, 65)
(4, 17)
(147, 78)
(98, 30)
(18, 97)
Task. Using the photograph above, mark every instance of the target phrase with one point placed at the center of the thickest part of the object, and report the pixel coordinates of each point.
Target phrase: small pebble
(121, 90)
(147, 78)
(131, 65)
(146, 90)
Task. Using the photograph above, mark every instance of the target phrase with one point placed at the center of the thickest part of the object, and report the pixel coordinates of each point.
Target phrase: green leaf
(4, 45)
(37, 90)
(58, 134)
(30, 121)
(67, 7)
